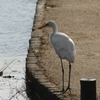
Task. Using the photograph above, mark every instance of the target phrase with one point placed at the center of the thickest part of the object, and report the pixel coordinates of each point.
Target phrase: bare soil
(80, 20)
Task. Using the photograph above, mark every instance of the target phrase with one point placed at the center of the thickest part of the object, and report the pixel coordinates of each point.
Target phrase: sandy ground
(80, 20)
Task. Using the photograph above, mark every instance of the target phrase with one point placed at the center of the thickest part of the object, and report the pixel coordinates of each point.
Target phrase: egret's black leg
(68, 88)
(62, 75)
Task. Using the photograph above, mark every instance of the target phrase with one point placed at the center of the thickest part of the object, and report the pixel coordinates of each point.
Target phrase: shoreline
(42, 88)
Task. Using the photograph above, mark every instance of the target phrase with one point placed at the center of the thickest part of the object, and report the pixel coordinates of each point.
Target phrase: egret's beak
(39, 27)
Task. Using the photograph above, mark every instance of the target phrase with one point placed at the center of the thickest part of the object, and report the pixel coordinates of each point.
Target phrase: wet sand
(80, 21)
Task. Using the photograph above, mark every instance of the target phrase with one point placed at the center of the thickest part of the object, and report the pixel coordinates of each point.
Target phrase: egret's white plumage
(64, 47)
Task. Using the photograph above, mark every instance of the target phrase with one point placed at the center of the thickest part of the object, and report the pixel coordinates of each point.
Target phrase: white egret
(64, 47)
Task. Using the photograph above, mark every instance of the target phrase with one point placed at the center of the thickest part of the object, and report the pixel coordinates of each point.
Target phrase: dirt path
(79, 19)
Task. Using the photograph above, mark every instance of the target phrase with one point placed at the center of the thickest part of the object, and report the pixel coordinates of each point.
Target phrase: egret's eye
(47, 24)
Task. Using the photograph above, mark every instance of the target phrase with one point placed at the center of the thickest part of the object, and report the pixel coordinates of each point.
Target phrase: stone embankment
(38, 87)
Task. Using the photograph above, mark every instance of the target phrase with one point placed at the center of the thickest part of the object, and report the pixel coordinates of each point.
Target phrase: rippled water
(16, 21)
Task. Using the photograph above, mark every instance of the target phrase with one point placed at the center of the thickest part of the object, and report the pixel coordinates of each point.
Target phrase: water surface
(16, 21)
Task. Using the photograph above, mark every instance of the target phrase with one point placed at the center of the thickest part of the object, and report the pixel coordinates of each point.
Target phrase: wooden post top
(87, 79)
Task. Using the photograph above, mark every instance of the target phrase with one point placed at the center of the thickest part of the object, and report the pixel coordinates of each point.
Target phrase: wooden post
(88, 89)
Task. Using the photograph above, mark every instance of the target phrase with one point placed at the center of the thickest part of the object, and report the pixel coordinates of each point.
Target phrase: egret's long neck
(55, 30)
(54, 26)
